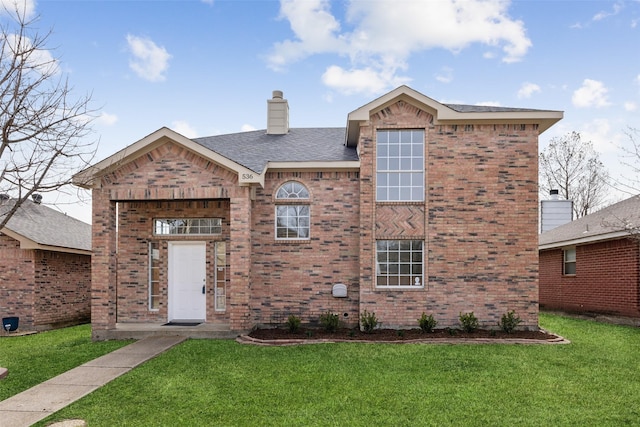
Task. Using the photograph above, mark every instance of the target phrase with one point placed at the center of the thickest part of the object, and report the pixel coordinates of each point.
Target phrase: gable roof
(37, 226)
(248, 154)
(612, 222)
(450, 113)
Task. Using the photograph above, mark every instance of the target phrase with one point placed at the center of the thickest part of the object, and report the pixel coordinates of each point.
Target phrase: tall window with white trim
(400, 165)
(292, 212)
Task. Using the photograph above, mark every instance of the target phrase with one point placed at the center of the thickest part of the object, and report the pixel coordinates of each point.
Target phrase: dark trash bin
(10, 324)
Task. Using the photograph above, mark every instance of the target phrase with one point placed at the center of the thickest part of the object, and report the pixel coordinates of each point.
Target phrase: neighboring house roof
(613, 222)
(256, 149)
(37, 226)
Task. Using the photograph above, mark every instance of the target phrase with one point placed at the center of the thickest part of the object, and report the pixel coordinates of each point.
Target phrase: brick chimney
(277, 114)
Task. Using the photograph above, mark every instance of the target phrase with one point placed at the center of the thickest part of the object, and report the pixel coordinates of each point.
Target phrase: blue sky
(208, 67)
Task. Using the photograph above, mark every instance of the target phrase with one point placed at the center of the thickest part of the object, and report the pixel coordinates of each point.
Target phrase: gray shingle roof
(601, 225)
(255, 148)
(47, 226)
(462, 108)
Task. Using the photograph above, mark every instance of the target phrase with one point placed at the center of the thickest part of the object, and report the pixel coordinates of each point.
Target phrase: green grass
(593, 381)
(32, 359)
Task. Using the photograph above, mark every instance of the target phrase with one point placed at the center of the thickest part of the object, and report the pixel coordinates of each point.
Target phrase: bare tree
(574, 168)
(631, 159)
(44, 129)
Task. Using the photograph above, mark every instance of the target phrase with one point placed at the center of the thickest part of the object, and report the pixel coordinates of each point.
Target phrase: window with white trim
(399, 263)
(189, 226)
(569, 261)
(154, 276)
(400, 165)
(293, 217)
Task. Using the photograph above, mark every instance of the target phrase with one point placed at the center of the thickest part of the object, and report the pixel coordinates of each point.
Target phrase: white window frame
(569, 259)
(187, 226)
(391, 267)
(154, 267)
(292, 218)
(400, 166)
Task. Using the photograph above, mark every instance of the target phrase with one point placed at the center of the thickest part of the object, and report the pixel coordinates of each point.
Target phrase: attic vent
(4, 197)
(277, 114)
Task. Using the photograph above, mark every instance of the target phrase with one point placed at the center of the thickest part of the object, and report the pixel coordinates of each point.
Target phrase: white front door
(187, 281)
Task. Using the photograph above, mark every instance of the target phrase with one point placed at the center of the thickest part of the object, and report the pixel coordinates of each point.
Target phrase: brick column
(240, 260)
(103, 265)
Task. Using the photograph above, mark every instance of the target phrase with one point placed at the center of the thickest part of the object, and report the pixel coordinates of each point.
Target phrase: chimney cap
(278, 94)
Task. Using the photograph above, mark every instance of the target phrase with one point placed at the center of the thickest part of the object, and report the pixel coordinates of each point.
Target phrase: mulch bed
(276, 335)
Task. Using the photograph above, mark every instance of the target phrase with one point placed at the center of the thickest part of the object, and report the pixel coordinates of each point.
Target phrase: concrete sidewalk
(40, 401)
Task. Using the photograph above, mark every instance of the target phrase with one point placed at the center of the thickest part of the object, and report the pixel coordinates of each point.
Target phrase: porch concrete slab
(37, 403)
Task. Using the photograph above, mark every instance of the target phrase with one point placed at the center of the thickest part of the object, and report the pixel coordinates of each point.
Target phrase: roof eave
(584, 240)
(446, 115)
(27, 243)
(90, 177)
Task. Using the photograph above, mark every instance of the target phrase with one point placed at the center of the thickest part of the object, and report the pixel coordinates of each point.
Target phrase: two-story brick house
(415, 206)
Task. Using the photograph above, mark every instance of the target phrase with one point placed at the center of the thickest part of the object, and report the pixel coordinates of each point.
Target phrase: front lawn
(593, 381)
(32, 359)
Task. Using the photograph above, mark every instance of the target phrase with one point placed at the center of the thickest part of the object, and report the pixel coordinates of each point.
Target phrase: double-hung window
(292, 212)
(400, 165)
(399, 263)
(569, 262)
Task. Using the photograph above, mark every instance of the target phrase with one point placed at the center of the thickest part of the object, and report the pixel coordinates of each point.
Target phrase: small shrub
(293, 323)
(329, 321)
(509, 322)
(468, 321)
(352, 333)
(309, 334)
(452, 332)
(427, 323)
(368, 321)
(401, 333)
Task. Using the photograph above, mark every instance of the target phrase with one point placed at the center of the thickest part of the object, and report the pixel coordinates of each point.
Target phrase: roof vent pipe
(277, 114)
(554, 194)
(37, 198)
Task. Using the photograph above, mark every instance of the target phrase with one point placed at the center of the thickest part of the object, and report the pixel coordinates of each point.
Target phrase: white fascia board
(344, 166)
(584, 240)
(26, 243)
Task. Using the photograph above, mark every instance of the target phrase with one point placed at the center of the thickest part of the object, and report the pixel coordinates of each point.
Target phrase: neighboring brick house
(45, 268)
(592, 265)
(415, 206)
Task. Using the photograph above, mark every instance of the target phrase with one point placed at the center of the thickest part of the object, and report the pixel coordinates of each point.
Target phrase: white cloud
(384, 34)
(365, 80)
(630, 106)
(184, 128)
(25, 8)
(149, 60)
(527, 89)
(247, 128)
(617, 7)
(592, 94)
(489, 103)
(107, 119)
(445, 75)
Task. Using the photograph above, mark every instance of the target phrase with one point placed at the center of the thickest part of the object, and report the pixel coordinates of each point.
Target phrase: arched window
(292, 212)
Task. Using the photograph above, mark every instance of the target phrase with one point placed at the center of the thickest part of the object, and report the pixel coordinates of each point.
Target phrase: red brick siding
(297, 277)
(480, 230)
(63, 293)
(607, 279)
(16, 281)
(44, 289)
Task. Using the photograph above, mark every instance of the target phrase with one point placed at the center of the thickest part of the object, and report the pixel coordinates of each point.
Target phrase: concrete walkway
(39, 402)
